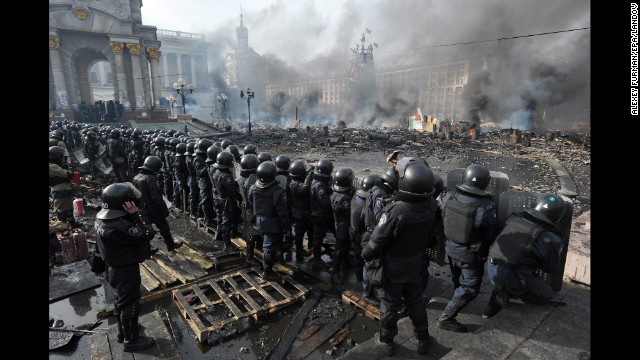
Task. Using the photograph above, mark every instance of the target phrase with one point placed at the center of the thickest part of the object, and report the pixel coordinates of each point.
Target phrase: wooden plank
(100, 349)
(308, 331)
(278, 267)
(370, 311)
(227, 260)
(194, 256)
(185, 264)
(191, 317)
(258, 288)
(342, 334)
(252, 302)
(148, 280)
(296, 284)
(321, 336)
(159, 273)
(282, 290)
(172, 268)
(203, 298)
(237, 313)
(285, 341)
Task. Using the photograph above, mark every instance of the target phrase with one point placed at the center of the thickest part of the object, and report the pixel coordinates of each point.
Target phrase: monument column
(120, 83)
(59, 84)
(141, 99)
(165, 68)
(154, 58)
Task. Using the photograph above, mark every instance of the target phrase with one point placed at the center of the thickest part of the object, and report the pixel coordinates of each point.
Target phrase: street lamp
(222, 98)
(249, 95)
(179, 86)
(172, 100)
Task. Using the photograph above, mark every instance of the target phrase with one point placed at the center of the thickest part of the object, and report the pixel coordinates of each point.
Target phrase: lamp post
(222, 98)
(249, 95)
(172, 100)
(179, 86)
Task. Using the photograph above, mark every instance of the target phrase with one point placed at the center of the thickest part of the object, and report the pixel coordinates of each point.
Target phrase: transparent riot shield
(514, 201)
(104, 165)
(79, 154)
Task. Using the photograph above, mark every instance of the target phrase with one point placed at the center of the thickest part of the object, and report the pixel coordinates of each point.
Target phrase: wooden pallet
(370, 311)
(226, 260)
(233, 299)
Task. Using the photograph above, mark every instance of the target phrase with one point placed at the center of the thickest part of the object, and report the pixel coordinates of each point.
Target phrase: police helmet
(218, 143)
(343, 179)
(137, 133)
(160, 140)
(203, 145)
(266, 174)
(233, 149)
(475, 180)
(416, 179)
(324, 167)
(171, 132)
(224, 160)
(298, 169)
(92, 134)
(549, 208)
(190, 147)
(390, 177)
(249, 162)
(282, 163)
(438, 185)
(367, 184)
(181, 149)
(115, 133)
(57, 134)
(173, 143)
(225, 143)
(152, 163)
(264, 156)
(113, 198)
(212, 154)
(250, 149)
(56, 154)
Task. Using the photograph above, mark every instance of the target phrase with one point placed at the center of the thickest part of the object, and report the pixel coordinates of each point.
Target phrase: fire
(471, 132)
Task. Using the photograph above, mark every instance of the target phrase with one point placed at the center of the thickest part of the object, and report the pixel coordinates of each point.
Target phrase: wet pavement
(544, 337)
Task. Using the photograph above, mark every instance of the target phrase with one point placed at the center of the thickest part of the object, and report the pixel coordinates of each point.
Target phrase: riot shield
(79, 154)
(104, 165)
(514, 201)
(437, 253)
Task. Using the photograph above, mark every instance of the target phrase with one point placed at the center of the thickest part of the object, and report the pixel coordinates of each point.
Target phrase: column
(136, 67)
(165, 68)
(193, 71)
(120, 83)
(59, 84)
(154, 58)
(179, 60)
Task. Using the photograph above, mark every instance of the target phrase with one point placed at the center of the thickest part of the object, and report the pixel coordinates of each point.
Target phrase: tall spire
(242, 35)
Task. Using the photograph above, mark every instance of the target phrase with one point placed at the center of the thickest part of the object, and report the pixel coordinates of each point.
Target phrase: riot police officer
(357, 224)
(271, 215)
(212, 155)
(320, 207)
(204, 182)
(229, 194)
(123, 241)
(91, 149)
(118, 156)
(180, 176)
(249, 164)
(61, 186)
(300, 202)
(159, 151)
(154, 208)
(169, 159)
(192, 181)
(341, 206)
(282, 163)
(470, 226)
(250, 149)
(398, 241)
(264, 156)
(529, 241)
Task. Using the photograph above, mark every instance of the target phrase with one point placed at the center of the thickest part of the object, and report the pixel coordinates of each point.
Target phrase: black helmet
(128, 132)
(438, 185)
(367, 184)
(343, 179)
(212, 153)
(283, 162)
(549, 208)
(171, 132)
(115, 133)
(218, 144)
(250, 149)
(152, 163)
(324, 167)
(416, 178)
(173, 143)
(181, 149)
(233, 149)
(113, 198)
(57, 134)
(190, 147)
(298, 168)
(160, 140)
(123, 126)
(136, 133)
(266, 174)
(249, 162)
(91, 134)
(225, 143)
(475, 180)
(390, 177)
(178, 134)
(224, 160)
(264, 156)
(56, 155)
(203, 145)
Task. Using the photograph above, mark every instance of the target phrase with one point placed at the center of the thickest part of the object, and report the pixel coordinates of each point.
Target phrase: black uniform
(300, 212)
(356, 229)
(180, 175)
(118, 156)
(341, 206)
(206, 188)
(229, 193)
(399, 240)
(194, 189)
(245, 181)
(321, 214)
